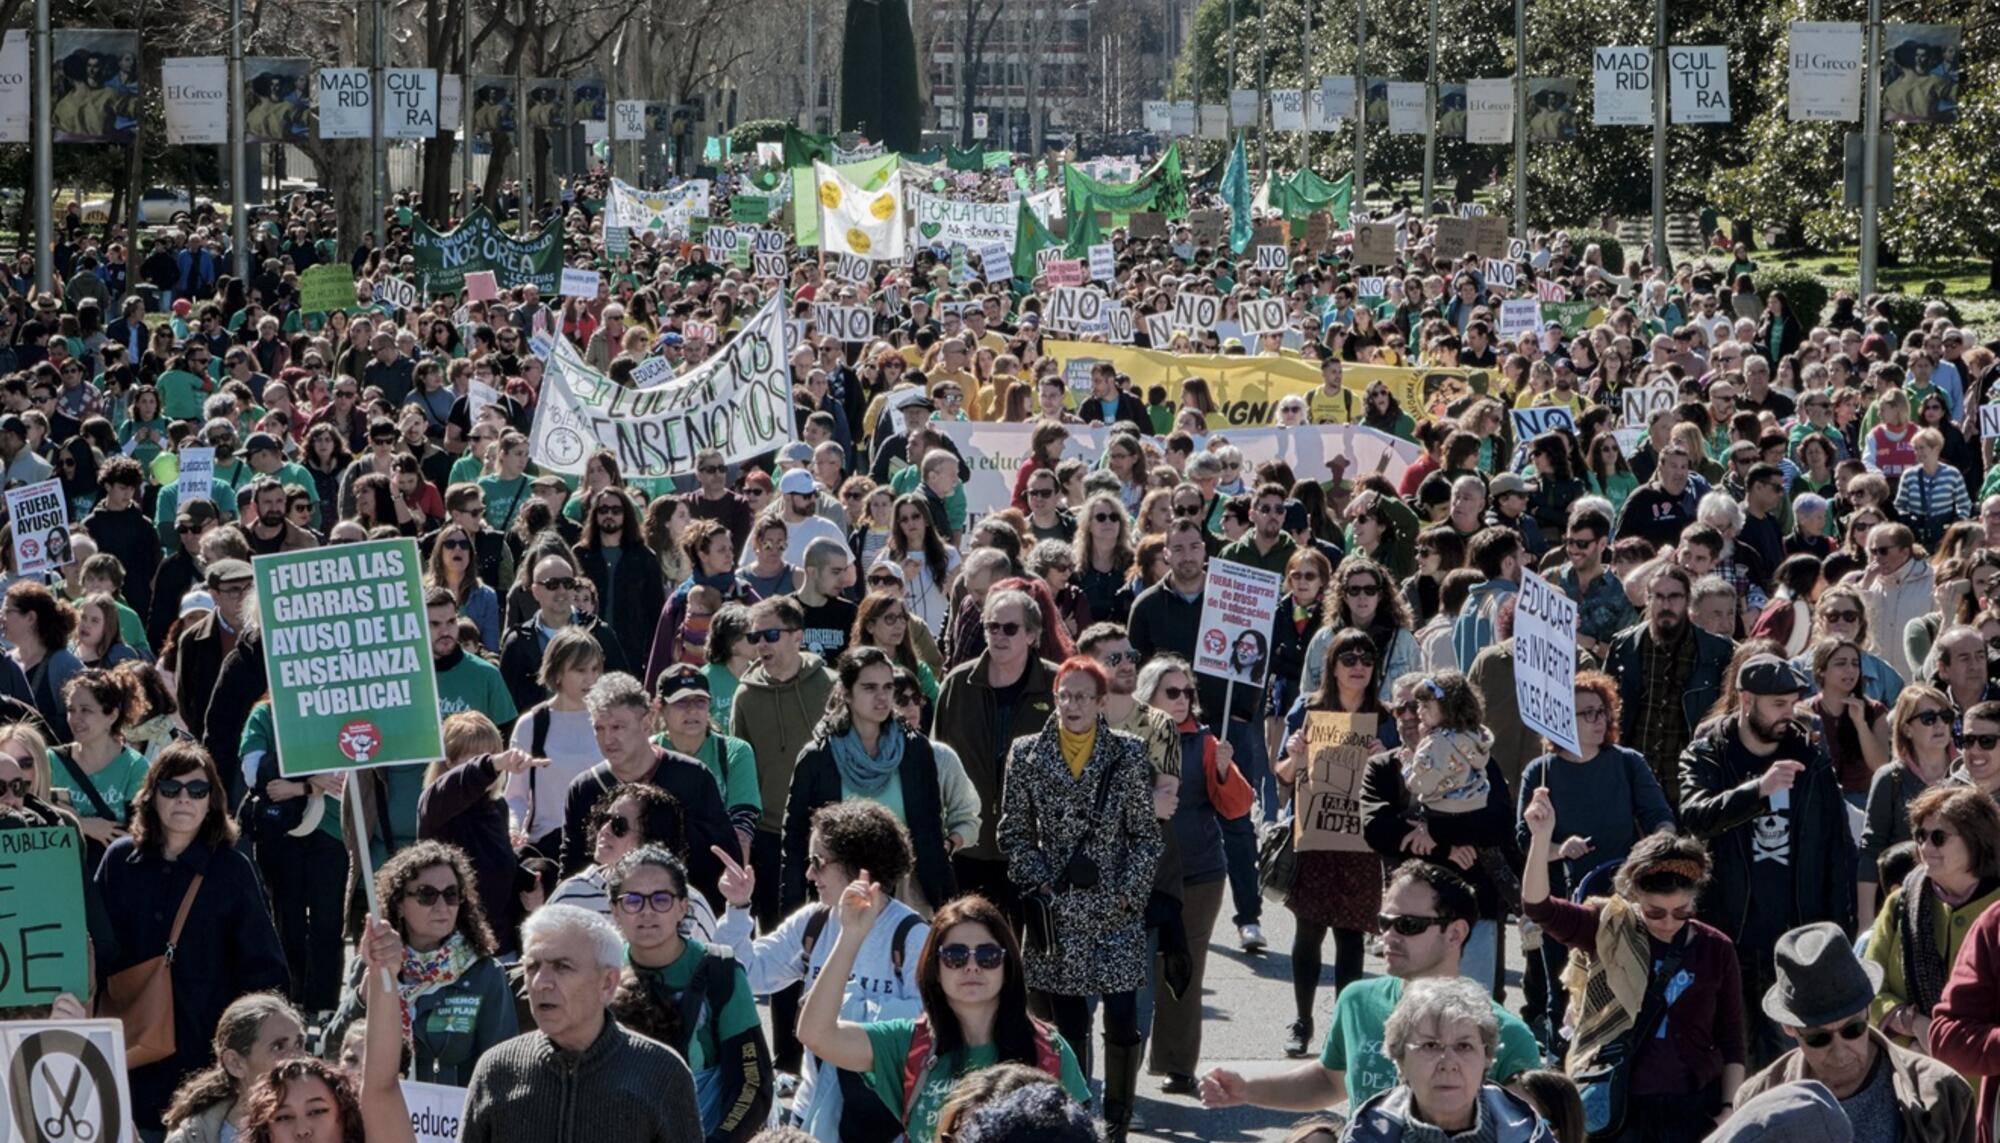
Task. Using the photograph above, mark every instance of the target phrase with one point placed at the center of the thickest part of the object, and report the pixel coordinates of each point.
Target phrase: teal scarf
(860, 774)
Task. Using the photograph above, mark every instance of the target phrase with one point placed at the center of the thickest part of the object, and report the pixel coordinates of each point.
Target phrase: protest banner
(65, 1081)
(1118, 319)
(1196, 312)
(347, 656)
(852, 268)
(1103, 263)
(326, 287)
(851, 324)
(652, 371)
(769, 265)
(1271, 258)
(44, 947)
(1550, 290)
(1075, 308)
(1371, 287)
(1237, 606)
(1451, 236)
(579, 283)
(1545, 660)
(398, 293)
(40, 519)
(1147, 224)
(197, 475)
(1824, 76)
(1533, 422)
(1206, 225)
(1989, 422)
(1263, 315)
(858, 220)
(481, 286)
(738, 401)
(445, 258)
(1065, 272)
(944, 221)
(437, 1110)
(1638, 405)
(1621, 87)
(1328, 814)
(1489, 236)
(1519, 316)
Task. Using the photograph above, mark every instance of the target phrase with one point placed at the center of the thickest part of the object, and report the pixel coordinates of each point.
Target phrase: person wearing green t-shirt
(684, 703)
(507, 489)
(976, 961)
(701, 995)
(465, 682)
(1427, 914)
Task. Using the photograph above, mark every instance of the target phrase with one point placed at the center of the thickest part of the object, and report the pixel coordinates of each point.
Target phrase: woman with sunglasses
(718, 1030)
(453, 565)
(182, 854)
(975, 1010)
(1632, 950)
(1607, 799)
(1840, 614)
(1916, 936)
(1362, 597)
(1921, 755)
(629, 817)
(456, 1002)
(883, 621)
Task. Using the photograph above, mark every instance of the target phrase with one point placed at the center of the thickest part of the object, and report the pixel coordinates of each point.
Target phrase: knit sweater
(623, 1087)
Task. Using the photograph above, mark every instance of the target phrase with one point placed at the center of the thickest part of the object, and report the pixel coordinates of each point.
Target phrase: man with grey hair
(608, 339)
(829, 617)
(579, 1075)
(944, 494)
(1712, 606)
(620, 711)
(1005, 693)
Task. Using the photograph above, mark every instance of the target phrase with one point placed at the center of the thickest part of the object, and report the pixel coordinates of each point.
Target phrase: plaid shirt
(1662, 731)
(1602, 611)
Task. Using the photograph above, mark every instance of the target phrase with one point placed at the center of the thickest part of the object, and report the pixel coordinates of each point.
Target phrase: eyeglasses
(1982, 741)
(1850, 1031)
(769, 635)
(428, 895)
(989, 956)
(1656, 913)
(1360, 590)
(171, 788)
(620, 826)
(1594, 714)
(1356, 659)
(1930, 717)
(1008, 629)
(660, 902)
(559, 583)
(1935, 838)
(1408, 925)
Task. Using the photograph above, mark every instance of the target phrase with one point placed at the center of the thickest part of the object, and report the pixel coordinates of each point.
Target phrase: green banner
(754, 209)
(44, 947)
(444, 258)
(1300, 195)
(347, 656)
(1161, 189)
(327, 287)
(802, 147)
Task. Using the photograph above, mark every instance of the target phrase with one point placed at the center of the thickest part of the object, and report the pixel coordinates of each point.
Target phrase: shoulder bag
(142, 997)
(1038, 907)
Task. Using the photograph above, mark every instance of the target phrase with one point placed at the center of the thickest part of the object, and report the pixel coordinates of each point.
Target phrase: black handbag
(1038, 906)
(1277, 860)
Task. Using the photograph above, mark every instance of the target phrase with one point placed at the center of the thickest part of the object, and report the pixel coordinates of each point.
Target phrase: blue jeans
(1239, 835)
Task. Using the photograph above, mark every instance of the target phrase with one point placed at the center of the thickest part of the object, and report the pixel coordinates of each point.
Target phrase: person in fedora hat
(1767, 800)
(1821, 998)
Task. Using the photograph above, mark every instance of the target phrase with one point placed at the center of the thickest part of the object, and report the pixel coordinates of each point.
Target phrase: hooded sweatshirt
(777, 720)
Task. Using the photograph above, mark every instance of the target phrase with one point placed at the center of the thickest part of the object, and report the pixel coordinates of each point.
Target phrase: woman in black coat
(181, 831)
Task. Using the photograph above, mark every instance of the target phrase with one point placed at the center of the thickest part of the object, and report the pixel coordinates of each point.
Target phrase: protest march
(589, 615)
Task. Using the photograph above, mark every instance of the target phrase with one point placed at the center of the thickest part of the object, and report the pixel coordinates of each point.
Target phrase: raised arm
(385, 1117)
(842, 1043)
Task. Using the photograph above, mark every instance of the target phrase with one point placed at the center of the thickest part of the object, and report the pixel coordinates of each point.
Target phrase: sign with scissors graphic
(63, 1081)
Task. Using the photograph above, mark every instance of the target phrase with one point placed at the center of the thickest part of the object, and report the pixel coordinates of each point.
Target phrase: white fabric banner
(1406, 108)
(411, 110)
(738, 401)
(1489, 111)
(195, 91)
(345, 111)
(1825, 72)
(1621, 87)
(1336, 96)
(1701, 84)
(855, 221)
(14, 111)
(1243, 108)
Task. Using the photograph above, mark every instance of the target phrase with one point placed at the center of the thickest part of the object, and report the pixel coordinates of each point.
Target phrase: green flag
(1029, 237)
(1236, 193)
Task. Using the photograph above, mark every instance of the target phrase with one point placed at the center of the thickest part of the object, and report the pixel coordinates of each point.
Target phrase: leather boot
(1121, 1081)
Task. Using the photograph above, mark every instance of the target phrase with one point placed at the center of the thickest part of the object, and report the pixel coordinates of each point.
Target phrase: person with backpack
(974, 989)
(557, 729)
(701, 992)
(831, 1104)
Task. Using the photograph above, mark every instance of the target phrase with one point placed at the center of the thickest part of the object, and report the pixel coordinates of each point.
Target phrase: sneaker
(1298, 1040)
(1251, 937)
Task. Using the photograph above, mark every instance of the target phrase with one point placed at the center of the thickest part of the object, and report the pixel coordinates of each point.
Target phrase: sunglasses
(1008, 629)
(1356, 659)
(635, 903)
(619, 826)
(1176, 694)
(884, 581)
(1982, 741)
(1930, 717)
(1656, 913)
(1187, 509)
(768, 635)
(18, 787)
(1579, 543)
(560, 583)
(171, 788)
(1408, 925)
(1935, 837)
(1040, 493)
(428, 895)
(989, 956)
(1843, 616)
(1883, 550)
(1104, 517)
(454, 545)
(712, 469)
(1359, 590)
(1113, 658)
(1850, 1031)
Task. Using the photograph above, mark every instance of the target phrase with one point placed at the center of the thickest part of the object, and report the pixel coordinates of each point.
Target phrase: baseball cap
(797, 482)
(798, 452)
(681, 680)
(260, 442)
(12, 423)
(1768, 675)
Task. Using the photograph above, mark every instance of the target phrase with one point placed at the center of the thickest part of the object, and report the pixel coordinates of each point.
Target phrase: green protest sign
(347, 656)
(44, 948)
(445, 257)
(326, 287)
(1570, 315)
(751, 208)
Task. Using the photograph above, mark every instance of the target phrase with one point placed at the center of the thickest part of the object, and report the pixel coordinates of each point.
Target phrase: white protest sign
(1271, 258)
(1639, 405)
(41, 527)
(398, 293)
(1472, 210)
(579, 283)
(410, 103)
(1119, 318)
(845, 323)
(197, 477)
(64, 1081)
(1233, 640)
(1372, 287)
(1519, 316)
(345, 110)
(996, 262)
(1533, 422)
(1545, 660)
(964, 222)
(436, 1110)
(1159, 330)
(1078, 308)
(1621, 87)
(1196, 312)
(1501, 272)
(652, 371)
(768, 265)
(852, 268)
(1989, 422)
(1103, 263)
(1262, 316)
(1701, 84)
(478, 396)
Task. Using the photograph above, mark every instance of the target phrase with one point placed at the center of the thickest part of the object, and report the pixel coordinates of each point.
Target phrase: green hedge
(1904, 311)
(1805, 292)
(1614, 250)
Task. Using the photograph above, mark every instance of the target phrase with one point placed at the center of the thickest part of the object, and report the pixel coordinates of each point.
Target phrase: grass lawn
(1964, 281)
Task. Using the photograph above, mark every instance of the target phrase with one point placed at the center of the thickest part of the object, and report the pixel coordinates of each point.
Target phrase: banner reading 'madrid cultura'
(738, 401)
(444, 258)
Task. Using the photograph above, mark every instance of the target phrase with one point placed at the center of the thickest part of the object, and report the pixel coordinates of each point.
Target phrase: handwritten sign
(1531, 423)
(44, 948)
(1271, 258)
(1545, 660)
(1234, 634)
(1329, 793)
(1263, 315)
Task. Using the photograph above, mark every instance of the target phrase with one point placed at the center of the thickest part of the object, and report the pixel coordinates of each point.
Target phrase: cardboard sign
(347, 655)
(64, 1081)
(1271, 258)
(1207, 226)
(1452, 237)
(1989, 422)
(1147, 224)
(851, 324)
(1489, 236)
(1374, 244)
(1103, 263)
(197, 476)
(398, 293)
(1196, 312)
(1545, 660)
(1263, 315)
(44, 947)
(41, 527)
(1531, 423)
(1065, 272)
(1519, 316)
(1328, 818)
(1501, 273)
(1319, 230)
(1639, 405)
(579, 283)
(480, 286)
(1235, 630)
(769, 265)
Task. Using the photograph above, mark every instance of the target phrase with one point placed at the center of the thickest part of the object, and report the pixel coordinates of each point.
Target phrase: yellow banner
(1248, 388)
